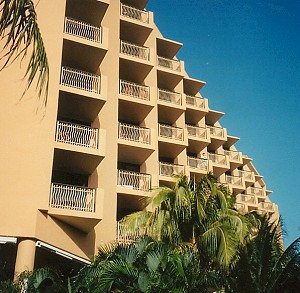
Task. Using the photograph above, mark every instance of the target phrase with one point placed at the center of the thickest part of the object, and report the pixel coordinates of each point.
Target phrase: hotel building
(122, 117)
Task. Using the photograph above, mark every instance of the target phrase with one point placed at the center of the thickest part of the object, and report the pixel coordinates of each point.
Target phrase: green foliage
(19, 29)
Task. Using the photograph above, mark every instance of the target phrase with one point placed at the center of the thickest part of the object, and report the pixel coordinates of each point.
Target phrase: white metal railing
(233, 155)
(240, 207)
(80, 79)
(255, 191)
(168, 96)
(170, 132)
(247, 198)
(195, 101)
(169, 63)
(196, 163)
(83, 30)
(76, 134)
(233, 180)
(134, 180)
(196, 131)
(72, 197)
(134, 50)
(248, 175)
(137, 14)
(267, 206)
(135, 90)
(134, 133)
(216, 131)
(125, 236)
(218, 159)
(167, 169)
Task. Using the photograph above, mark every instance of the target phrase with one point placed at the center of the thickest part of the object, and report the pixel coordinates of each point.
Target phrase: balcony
(217, 132)
(167, 169)
(196, 131)
(83, 30)
(76, 134)
(247, 175)
(171, 132)
(219, 162)
(171, 64)
(169, 97)
(81, 80)
(235, 183)
(134, 13)
(124, 236)
(134, 90)
(267, 206)
(134, 180)
(197, 102)
(197, 164)
(134, 133)
(249, 199)
(235, 158)
(134, 50)
(257, 191)
(76, 205)
(72, 198)
(240, 207)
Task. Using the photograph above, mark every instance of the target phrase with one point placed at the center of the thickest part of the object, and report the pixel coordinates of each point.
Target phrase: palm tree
(263, 266)
(201, 214)
(143, 266)
(21, 33)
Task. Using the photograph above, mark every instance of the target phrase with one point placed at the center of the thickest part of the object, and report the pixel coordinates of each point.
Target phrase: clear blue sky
(248, 52)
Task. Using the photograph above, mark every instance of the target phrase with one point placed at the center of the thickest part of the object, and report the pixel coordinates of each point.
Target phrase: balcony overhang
(192, 86)
(167, 48)
(168, 112)
(78, 107)
(196, 145)
(75, 52)
(213, 116)
(75, 159)
(134, 69)
(170, 147)
(133, 152)
(231, 140)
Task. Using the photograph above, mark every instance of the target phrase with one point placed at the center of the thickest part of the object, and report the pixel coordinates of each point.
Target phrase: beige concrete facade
(122, 117)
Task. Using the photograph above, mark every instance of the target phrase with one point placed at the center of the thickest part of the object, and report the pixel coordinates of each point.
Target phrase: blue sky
(248, 52)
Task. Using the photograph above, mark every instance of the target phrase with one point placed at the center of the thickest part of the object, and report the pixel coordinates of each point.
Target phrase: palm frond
(20, 30)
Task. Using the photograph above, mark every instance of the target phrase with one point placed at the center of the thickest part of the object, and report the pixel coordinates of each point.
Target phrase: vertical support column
(25, 256)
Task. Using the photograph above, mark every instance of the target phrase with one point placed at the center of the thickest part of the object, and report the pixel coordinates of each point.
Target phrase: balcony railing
(134, 133)
(123, 236)
(196, 131)
(167, 169)
(83, 30)
(170, 132)
(171, 97)
(77, 134)
(248, 175)
(233, 155)
(195, 102)
(247, 199)
(134, 180)
(240, 207)
(134, 50)
(71, 197)
(134, 13)
(255, 191)
(80, 79)
(196, 163)
(134, 90)
(169, 63)
(218, 159)
(233, 180)
(216, 131)
(267, 206)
